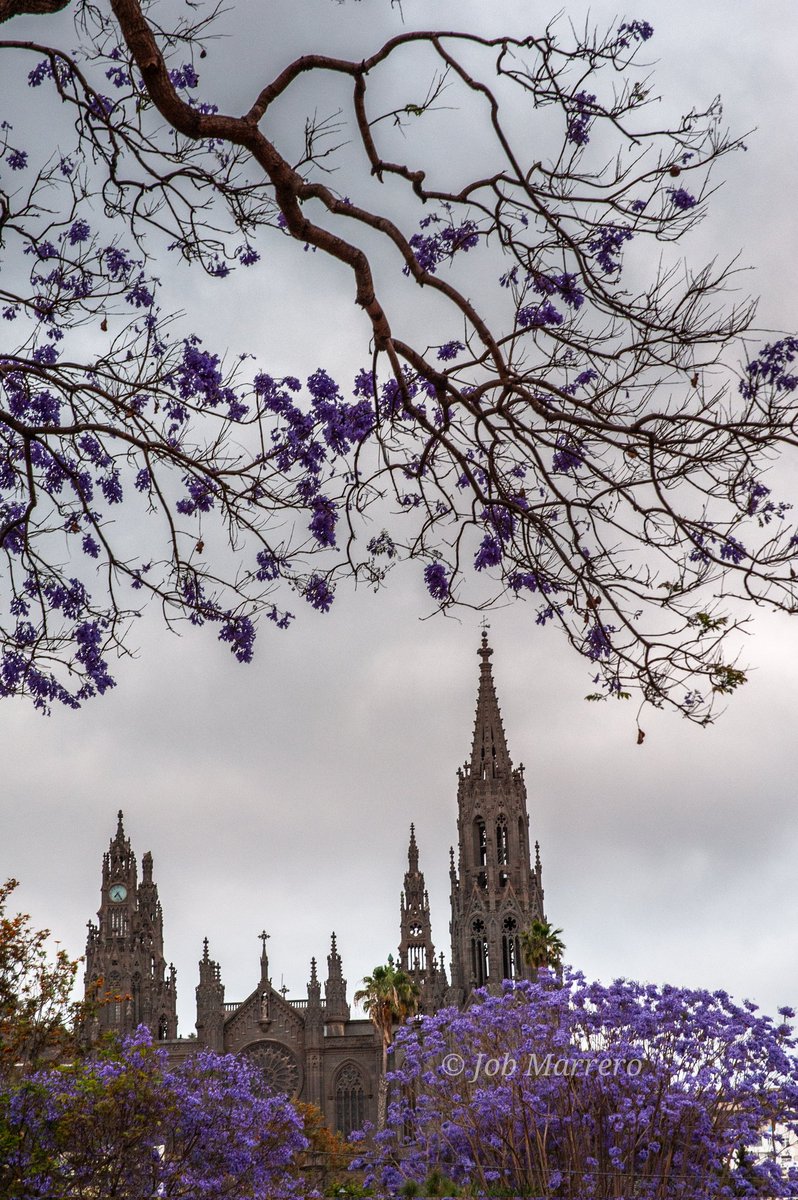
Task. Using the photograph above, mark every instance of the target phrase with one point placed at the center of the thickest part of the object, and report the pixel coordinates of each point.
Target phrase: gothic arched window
(511, 949)
(163, 1029)
(480, 842)
(501, 842)
(117, 922)
(350, 1100)
(480, 964)
(135, 987)
(417, 958)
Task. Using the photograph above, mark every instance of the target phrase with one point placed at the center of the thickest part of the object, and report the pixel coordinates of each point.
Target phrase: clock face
(117, 892)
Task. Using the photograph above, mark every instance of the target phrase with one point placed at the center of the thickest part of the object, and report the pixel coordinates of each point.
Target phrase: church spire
(412, 851)
(210, 1002)
(416, 951)
(495, 893)
(490, 758)
(264, 958)
(335, 1003)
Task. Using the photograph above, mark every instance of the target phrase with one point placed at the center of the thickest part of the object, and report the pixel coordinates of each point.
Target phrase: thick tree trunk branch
(38, 8)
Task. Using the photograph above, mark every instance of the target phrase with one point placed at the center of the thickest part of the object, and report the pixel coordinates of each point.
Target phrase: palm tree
(388, 997)
(542, 946)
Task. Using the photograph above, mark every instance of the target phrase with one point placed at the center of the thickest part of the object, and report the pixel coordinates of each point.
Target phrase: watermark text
(486, 1066)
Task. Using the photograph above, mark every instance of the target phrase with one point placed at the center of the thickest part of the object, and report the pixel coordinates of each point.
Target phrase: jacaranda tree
(123, 1124)
(548, 403)
(588, 1091)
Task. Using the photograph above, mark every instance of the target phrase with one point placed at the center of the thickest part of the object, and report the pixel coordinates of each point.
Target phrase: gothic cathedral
(311, 1048)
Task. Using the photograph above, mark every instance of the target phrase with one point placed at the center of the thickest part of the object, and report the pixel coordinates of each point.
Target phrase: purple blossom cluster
(567, 1088)
(682, 199)
(607, 245)
(445, 240)
(501, 524)
(597, 643)
(184, 77)
(770, 369)
(706, 544)
(450, 350)
(319, 594)
(581, 110)
(437, 581)
(633, 31)
(538, 316)
(569, 455)
(532, 581)
(759, 505)
(564, 285)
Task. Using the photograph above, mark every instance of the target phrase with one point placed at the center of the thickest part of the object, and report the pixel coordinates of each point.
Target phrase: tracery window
(117, 919)
(501, 842)
(480, 842)
(350, 1100)
(417, 958)
(511, 949)
(480, 963)
(136, 998)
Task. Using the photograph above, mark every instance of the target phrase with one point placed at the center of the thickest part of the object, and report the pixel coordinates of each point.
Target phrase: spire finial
(485, 651)
(120, 829)
(205, 950)
(313, 976)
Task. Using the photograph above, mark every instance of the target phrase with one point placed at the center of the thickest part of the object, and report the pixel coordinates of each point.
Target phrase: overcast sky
(281, 794)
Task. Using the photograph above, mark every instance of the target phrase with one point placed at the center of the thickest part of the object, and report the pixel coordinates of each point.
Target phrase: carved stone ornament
(278, 1064)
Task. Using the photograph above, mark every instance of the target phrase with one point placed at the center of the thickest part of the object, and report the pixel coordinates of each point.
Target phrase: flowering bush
(124, 1124)
(588, 1091)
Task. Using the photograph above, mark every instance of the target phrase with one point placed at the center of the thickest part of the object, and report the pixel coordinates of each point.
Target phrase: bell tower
(495, 891)
(125, 966)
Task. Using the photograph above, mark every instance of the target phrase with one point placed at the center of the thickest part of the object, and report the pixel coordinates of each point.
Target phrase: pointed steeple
(336, 1006)
(412, 852)
(210, 1002)
(119, 861)
(314, 987)
(264, 958)
(416, 951)
(489, 755)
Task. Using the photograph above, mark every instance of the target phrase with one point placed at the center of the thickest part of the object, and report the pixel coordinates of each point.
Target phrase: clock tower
(125, 966)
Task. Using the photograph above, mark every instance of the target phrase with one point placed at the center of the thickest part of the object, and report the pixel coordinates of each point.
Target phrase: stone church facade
(312, 1048)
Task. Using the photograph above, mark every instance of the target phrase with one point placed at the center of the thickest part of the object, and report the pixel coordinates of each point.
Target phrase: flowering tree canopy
(547, 403)
(587, 1091)
(123, 1124)
(38, 1018)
